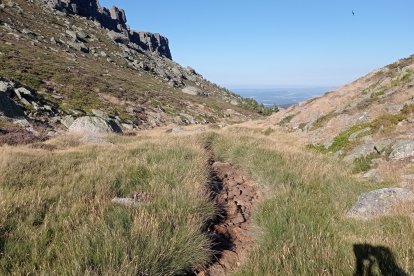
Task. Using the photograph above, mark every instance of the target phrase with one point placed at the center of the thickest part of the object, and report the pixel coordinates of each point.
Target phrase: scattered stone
(72, 34)
(125, 201)
(379, 202)
(234, 102)
(79, 46)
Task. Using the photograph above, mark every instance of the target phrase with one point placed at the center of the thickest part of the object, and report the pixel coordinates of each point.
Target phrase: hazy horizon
(282, 96)
(278, 43)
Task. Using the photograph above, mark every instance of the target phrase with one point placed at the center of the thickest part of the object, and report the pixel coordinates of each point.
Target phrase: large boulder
(402, 150)
(91, 125)
(192, 90)
(379, 202)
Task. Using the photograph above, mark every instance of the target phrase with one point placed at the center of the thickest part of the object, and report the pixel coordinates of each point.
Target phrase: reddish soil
(231, 230)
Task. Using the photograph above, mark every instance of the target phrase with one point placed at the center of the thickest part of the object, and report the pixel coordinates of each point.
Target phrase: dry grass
(56, 216)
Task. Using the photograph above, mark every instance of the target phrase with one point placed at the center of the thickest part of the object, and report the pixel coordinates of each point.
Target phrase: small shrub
(364, 163)
(287, 119)
(321, 121)
(268, 131)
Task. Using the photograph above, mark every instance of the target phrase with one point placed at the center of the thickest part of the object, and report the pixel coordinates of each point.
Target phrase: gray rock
(402, 150)
(366, 149)
(6, 86)
(72, 34)
(187, 119)
(373, 176)
(79, 46)
(192, 90)
(67, 121)
(234, 102)
(394, 108)
(81, 35)
(21, 92)
(91, 125)
(360, 151)
(379, 202)
(100, 114)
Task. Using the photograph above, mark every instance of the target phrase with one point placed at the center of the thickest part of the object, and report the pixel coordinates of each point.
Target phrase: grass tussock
(56, 215)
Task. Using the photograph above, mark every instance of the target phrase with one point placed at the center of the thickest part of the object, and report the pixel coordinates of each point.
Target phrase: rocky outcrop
(151, 42)
(379, 202)
(114, 19)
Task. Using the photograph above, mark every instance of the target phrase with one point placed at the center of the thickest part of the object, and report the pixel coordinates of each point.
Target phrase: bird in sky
(353, 13)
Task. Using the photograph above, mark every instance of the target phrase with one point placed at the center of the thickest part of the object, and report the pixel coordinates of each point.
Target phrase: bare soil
(231, 230)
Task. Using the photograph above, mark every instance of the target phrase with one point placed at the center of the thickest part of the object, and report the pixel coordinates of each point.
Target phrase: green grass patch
(364, 163)
(321, 121)
(378, 93)
(286, 120)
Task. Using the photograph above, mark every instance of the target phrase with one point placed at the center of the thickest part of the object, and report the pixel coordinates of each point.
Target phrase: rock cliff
(114, 19)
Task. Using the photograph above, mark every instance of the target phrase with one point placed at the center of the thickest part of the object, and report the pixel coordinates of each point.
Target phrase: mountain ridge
(83, 69)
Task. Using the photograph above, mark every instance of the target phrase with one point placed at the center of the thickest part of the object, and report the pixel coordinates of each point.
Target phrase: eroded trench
(231, 230)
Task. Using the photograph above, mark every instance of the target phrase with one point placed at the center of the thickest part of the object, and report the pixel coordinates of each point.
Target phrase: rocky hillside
(369, 122)
(66, 61)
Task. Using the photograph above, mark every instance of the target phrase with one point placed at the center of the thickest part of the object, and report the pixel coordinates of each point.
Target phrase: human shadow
(367, 257)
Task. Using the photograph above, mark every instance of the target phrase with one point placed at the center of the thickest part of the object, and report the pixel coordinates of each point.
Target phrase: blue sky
(271, 43)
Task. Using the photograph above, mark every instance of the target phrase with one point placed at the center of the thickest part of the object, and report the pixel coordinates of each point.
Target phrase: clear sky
(272, 43)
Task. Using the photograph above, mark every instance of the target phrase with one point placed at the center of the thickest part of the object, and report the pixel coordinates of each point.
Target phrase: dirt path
(231, 230)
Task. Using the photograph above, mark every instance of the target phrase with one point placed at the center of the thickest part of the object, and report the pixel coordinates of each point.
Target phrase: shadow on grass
(369, 257)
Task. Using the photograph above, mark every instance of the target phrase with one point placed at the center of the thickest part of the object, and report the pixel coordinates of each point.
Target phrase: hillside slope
(71, 59)
(369, 122)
